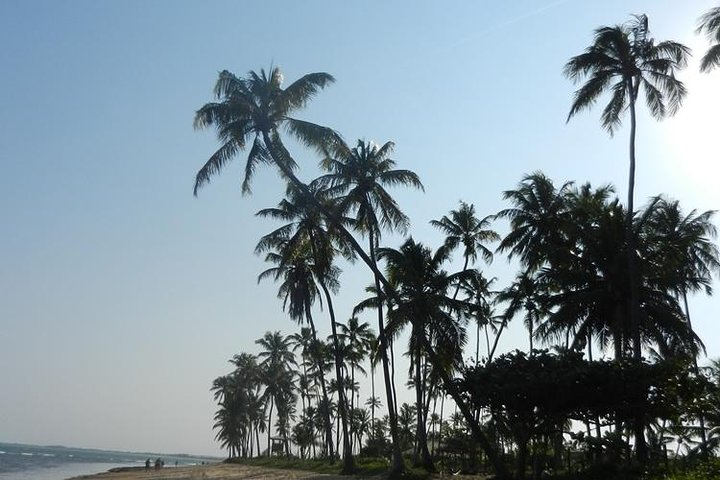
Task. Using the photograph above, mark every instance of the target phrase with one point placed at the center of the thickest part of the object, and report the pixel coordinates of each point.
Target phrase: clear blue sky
(122, 296)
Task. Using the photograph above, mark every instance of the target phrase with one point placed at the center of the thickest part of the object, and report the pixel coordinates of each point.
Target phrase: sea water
(32, 462)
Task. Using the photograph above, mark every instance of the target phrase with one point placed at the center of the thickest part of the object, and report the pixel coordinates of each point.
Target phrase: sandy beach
(217, 471)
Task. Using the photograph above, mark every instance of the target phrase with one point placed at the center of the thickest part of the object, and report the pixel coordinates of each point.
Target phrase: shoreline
(217, 471)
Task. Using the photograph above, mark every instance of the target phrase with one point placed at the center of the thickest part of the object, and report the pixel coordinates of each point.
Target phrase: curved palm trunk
(278, 153)
(639, 421)
(499, 467)
(348, 465)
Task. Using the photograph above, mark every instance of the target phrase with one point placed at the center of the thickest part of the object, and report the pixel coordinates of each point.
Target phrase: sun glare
(691, 136)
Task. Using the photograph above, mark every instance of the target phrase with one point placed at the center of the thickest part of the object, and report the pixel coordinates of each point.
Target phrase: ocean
(32, 462)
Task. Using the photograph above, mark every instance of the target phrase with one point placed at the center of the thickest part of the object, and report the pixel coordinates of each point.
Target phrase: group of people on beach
(159, 463)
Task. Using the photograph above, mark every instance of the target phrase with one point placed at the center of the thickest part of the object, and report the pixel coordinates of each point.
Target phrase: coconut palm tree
(299, 292)
(623, 60)
(255, 109)
(476, 289)
(709, 24)
(307, 234)
(463, 227)
(358, 179)
(423, 286)
(358, 338)
(685, 247)
(277, 362)
(536, 218)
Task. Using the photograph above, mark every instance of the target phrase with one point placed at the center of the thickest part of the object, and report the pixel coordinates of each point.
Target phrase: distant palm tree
(463, 228)
(476, 289)
(277, 373)
(525, 293)
(299, 292)
(536, 220)
(709, 24)
(358, 338)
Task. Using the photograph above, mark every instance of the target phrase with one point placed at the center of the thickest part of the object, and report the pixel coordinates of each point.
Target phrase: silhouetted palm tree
(254, 109)
(709, 24)
(299, 292)
(424, 304)
(307, 234)
(358, 179)
(358, 337)
(623, 60)
(276, 373)
(463, 228)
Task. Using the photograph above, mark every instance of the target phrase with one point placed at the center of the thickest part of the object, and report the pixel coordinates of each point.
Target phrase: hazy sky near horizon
(122, 296)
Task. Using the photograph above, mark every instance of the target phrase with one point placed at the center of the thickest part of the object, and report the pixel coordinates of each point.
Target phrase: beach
(214, 471)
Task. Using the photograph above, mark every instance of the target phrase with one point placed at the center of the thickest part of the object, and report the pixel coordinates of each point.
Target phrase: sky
(122, 296)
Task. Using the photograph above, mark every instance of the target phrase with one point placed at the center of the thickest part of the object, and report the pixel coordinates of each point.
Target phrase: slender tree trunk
(639, 421)
(257, 439)
(270, 427)
(487, 338)
(352, 402)
(701, 417)
(323, 387)
(398, 465)
(372, 404)
(495, 342)
(348, 464)
(426, 462)
(440, 425)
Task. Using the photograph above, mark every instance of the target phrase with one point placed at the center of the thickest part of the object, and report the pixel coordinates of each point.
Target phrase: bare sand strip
(212, 472)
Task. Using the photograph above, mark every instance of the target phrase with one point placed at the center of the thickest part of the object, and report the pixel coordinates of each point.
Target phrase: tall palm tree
(359, 337)
(307, 234)
(624, 59)
(255, 109)
(424, 290)
(709, 24)
(358, 179)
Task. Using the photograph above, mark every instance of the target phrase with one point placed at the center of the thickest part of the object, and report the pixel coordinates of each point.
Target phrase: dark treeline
(604, 285)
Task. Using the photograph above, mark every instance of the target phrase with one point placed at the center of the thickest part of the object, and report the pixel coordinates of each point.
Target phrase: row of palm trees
(573, 290)
(322, 220)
